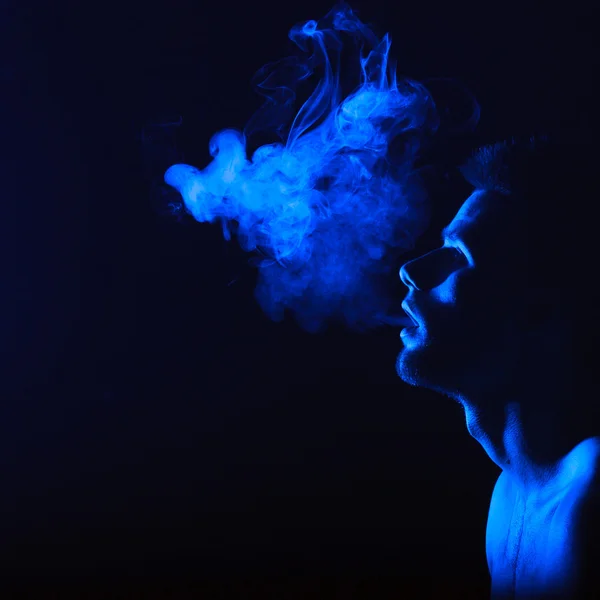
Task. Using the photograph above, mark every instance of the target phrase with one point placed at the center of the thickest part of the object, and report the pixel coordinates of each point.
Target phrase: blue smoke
(329, 209)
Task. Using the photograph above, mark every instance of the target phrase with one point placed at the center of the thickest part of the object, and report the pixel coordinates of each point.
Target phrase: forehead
(485, 215)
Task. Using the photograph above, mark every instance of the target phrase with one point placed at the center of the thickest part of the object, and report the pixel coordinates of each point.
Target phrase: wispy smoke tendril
(325, 207)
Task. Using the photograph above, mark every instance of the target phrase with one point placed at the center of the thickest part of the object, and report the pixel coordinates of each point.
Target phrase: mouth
(408, 331)
(411, 316)
(396, 320)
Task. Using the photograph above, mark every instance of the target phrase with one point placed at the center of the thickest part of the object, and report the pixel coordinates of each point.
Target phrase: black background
(156, 428)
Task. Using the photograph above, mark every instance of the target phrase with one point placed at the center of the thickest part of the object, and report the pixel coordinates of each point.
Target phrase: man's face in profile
(466, 297)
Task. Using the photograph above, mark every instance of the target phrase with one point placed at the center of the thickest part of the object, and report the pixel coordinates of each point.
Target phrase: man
(503, 325)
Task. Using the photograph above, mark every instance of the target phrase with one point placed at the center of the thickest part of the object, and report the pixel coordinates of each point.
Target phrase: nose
(430, 270)
(405, 276)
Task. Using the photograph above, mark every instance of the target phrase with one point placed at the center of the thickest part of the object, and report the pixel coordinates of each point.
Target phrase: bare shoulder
(582, 501)
(582, 517)
(586, 543)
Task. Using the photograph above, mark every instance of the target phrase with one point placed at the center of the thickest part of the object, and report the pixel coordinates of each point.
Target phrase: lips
(409, 312)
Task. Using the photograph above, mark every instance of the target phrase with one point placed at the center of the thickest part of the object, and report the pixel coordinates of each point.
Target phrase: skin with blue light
(325, 206)
(476, 343)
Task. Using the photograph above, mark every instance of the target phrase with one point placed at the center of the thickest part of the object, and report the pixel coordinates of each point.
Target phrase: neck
(540, 446)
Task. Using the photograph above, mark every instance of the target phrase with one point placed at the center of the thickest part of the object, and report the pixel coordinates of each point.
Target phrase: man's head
(498, 300)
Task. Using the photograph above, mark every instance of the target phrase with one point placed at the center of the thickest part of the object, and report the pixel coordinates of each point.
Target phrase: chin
(413, 362)
(409, 369)
(429, 367)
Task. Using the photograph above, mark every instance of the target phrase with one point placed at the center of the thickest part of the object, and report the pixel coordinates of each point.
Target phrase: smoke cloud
(328, 210)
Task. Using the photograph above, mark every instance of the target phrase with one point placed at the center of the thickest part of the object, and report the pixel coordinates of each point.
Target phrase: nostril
(407, 279)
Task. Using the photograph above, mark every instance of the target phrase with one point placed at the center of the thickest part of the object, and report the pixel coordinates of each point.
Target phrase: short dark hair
(498, 167)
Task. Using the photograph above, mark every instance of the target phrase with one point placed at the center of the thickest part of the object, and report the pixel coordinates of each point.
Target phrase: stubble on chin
(428, 367)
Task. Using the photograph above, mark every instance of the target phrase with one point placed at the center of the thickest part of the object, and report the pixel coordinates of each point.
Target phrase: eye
(458, 251)
(453, 247)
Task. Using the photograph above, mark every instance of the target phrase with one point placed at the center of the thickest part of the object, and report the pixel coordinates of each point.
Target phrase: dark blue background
(155, 427)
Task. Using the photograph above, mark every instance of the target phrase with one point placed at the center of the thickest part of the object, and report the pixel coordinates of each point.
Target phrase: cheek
(482, 301)
(454, 291)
